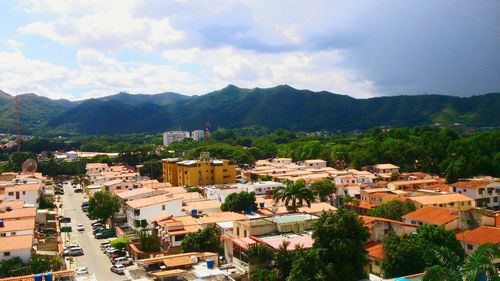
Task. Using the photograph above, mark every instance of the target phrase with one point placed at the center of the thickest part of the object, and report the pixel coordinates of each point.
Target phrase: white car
(80, 227)
(123, 261)
(118, 269)
(82, 270)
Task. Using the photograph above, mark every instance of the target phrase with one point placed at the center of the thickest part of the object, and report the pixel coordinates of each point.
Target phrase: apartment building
(29, 193)
(198, 172)
(174, 136)
(485, 193)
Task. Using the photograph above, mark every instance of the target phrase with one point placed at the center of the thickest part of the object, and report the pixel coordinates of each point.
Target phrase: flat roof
(16, 225)
(16, 242)
(148, 201)
(18, 213)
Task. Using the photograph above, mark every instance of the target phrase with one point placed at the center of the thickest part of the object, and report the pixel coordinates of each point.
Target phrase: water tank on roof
(1, 223)
(210, 263)
(261, 205)
(249, 209)
(48, 276)
(38, 277)
(194, 212)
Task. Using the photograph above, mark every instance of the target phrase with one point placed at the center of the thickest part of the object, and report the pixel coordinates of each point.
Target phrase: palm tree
(477, 266)
(349, 200)
(81, 180)
(294, 194)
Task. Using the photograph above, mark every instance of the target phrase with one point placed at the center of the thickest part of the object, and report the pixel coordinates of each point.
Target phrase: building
(315, 163)
(471, 239)
(173, 136)
(486, 194)
(198, 172)
(29, 193)
(385, 169)
(20, 246)
(197, 135)
(141, 211)
(448, 218)
(96, 168)
(375, 257)
(451, 201)
(411, 185)
(120, 185)
(24, 226)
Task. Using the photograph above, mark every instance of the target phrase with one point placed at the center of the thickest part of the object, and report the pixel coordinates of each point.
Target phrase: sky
(78, 49)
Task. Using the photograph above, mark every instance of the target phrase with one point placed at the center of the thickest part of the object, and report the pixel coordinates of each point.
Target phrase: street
(96, 261)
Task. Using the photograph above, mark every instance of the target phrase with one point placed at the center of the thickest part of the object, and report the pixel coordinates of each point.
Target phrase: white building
(173, 136)
(315, 163)
(120, 185)
(29, 193)
(486, 193)
(197, 135)
(24, 226)
(16, 246)
(93, 169)
(259, 188)
(146, 208)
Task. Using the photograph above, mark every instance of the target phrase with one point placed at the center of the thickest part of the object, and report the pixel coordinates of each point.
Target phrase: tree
(120, 243)
(259, 254)
(13, 267)
(39, 264)
(149, 241)
(239, 202)
(477, 266)
(349, 201)
(306, 266)
(339, 239)
(283, 260)
(393, 210)
(18, 158)
(152, 168)
(103, 204)
(204, 240)
(294, 194)
(264, 275)
(80, 180)
(323, 189)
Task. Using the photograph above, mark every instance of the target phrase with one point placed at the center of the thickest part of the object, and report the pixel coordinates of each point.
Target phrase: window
(179, 238)
(163, 207)
(11, 193)
(24, 192)
(237, 231)
(495, 199)
(6, 254)
(3, 234)
(137, 212)
(244, 233)
(469, 247)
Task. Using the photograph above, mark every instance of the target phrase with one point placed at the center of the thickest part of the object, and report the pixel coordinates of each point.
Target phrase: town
(208, 218)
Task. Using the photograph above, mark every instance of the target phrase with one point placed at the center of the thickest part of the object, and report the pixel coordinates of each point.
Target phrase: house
(375, 257)
(471, 239)
(202, 207)
(119, 184)
(452, 201)
(315, 163)
(448, 218)
(17, 214)
(174, 136)
(379, 228)
(29, 193)
(485, 193)
(365, 193)
(20, 246)
(128, 195)
(140, 211)
(411, 185)
(316, 209)
(17, 227)
(93, 169)
(198, 172)
(385, 169)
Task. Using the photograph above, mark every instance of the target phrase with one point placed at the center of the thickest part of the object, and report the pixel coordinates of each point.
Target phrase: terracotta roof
(148, 201)
(480, 235)
(440, 186)
(386, 166)
(177, 261)
(433, 215)
(414, 182)
(95, 165)
(18, 213)
(16, 242)
(202, 205)
(23, 187)
(16, 225)
(375, 250)
(473, 184)
(440, 199)
(220, 217)
(370, 219)
(134, 192)
(373, 190)
(244, 243)
(315, 208)
(13, 204)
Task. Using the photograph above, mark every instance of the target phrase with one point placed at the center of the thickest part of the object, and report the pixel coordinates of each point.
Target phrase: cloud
(13, 44)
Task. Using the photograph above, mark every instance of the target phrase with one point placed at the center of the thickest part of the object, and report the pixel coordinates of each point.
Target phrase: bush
(120, 243)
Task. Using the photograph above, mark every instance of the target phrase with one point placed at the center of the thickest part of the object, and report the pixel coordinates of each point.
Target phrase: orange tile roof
(414, 182)
(202, 205)
(177, 261)
(13, 204)
(220, 217)
(16, 225)
(375, 250)
(440, 199)
(473, 184)
(370, 219)
(148, 201)
(23, 187)
(480, 235)
(16, 242)
(433, 215)
(18, 213)
(440, 186)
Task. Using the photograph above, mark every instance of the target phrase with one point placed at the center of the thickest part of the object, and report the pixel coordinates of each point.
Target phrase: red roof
(433, 215)
(474, 184)
(304, 241)
(375, 250)
(480, 235)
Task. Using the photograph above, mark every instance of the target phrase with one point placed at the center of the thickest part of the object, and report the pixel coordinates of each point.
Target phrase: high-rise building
(198, 172)
(197, 135)
(173, 136)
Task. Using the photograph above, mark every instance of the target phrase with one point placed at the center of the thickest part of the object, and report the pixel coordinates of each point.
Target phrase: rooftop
(23, 187)
(16, 225)
(13, 204)
(18, 213)
(414, 182)
(134, 192)
(480, 235)
(295, 240)
(148, 201)
(386, 166)
(375, 250)
(16, 242)
(202, 205)
(472, 184)
(440, 199)
(433, 215)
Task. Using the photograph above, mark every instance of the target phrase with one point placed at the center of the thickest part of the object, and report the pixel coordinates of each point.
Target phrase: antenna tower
(18, 124)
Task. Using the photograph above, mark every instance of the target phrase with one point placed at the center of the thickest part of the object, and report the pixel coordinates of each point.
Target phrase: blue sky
(90, 48)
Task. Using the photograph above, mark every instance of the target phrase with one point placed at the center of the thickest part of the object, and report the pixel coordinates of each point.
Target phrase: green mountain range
(232, 107)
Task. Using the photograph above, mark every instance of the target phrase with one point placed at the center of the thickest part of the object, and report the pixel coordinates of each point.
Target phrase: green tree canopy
(239, 202)
(149, 242)
(294, 194)
(204, 240)
(323, 189)
(120, 242)
(393, 210)
(103, 204)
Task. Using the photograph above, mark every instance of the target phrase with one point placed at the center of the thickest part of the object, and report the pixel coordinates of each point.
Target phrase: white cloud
(13, 44)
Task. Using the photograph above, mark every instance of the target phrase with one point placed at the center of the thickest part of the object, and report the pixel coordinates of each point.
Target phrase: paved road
(97, 262)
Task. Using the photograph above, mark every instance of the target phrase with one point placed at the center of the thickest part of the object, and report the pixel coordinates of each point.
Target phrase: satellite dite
(29, 166)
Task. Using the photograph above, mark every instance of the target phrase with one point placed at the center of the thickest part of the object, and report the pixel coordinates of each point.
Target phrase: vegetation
(149, 241)
(44, 203)
(294, 194)
(102, 205)
(240, 202)
(411, 254)
(323, 189)
(37, 264)
(80, 180)
(204, 240)
(393, 210)
(476, 266)
(259, 254)
(120, 243)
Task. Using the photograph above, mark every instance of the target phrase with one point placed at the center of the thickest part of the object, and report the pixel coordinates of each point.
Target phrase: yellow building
(198, 172)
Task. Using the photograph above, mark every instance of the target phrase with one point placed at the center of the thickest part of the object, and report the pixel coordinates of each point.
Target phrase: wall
(24, 254)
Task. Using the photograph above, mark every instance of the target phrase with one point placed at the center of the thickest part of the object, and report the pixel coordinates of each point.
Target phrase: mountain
(35, 112)
(160, 99)
(232, 107)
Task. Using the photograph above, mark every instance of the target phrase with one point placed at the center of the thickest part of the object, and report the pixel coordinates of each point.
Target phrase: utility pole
(18, 124)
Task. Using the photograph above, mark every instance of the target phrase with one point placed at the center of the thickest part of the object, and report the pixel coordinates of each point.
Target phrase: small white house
(486, 194)
(145, 209)
(16, 246)
(120, 185)
(29, 193)
(93, 169)
(17, 227)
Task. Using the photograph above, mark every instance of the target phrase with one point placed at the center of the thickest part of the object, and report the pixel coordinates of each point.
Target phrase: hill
(232, 107)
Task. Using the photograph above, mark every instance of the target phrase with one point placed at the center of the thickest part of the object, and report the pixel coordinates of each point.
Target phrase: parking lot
(96, 261)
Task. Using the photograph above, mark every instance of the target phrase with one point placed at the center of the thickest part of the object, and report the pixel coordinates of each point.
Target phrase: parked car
(82, 270)
(80, 227)
(109, 250)
(97, 222)
(105, 247)
(117, 254)
(97, 225)
(59, 192)
(63, 219)
(107, 233)
(123, 261)
(78, 190)
(73, 252)
(72, 246)
(98, 230)
(118, 269)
